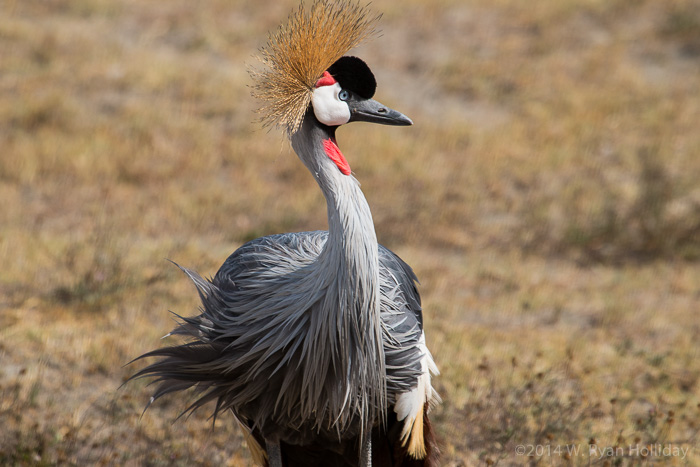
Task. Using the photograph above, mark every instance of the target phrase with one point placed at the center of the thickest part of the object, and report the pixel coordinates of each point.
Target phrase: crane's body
(314, 340)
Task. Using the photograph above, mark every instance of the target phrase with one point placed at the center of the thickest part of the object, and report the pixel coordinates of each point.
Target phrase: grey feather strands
(313, 340)
(298, 53)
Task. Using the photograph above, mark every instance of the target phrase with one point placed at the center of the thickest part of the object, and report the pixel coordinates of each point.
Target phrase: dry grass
(547, 197)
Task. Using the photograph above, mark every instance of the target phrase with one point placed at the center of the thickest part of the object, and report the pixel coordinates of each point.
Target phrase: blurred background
(547, 196)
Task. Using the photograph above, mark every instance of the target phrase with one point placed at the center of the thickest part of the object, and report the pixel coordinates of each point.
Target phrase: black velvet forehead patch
(354, 75)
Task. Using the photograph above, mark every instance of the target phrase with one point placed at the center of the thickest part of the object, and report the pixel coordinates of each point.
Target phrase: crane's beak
(369, 110)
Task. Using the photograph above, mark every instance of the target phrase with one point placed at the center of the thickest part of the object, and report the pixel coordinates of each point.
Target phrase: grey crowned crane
(313, 340)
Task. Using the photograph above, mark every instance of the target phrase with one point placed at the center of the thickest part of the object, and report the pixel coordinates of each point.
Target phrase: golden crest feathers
(297, 54)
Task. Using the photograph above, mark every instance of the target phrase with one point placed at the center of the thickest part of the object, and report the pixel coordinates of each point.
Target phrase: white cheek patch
(328, 109)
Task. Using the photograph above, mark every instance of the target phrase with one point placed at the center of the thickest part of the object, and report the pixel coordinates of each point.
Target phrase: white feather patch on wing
(409, 405)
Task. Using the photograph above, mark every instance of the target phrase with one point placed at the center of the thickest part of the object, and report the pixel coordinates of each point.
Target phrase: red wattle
(333, 151)
(326, 80)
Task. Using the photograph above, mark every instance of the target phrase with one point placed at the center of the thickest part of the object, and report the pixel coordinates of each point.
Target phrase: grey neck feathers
(349, 267)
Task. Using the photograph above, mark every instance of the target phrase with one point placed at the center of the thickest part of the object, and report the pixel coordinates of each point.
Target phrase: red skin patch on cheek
(333, 152)
(326, 80)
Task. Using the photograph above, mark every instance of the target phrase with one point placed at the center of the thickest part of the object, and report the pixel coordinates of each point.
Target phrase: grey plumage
(306, 333)
(314, 340)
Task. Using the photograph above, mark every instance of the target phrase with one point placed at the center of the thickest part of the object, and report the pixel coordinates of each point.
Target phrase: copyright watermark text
(602, 452)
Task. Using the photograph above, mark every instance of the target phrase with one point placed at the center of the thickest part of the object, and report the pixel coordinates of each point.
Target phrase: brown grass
(547, 197)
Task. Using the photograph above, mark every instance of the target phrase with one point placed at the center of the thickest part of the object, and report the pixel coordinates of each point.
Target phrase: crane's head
(344, 94)
(305, 67)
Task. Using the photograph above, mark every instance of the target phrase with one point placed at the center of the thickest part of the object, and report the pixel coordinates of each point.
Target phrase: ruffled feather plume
(298, 53)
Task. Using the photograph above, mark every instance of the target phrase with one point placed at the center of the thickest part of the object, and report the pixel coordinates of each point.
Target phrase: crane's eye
(343, 95)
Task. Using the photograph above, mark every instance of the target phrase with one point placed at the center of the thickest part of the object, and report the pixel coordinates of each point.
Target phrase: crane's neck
(348, 268)
(352, 241)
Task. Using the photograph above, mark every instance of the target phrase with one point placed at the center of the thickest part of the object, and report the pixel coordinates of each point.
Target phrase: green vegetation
(547, 197)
